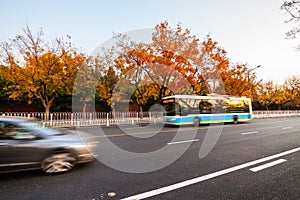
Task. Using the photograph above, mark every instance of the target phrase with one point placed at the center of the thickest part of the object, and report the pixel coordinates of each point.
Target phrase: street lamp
(250, 70)
(248, 79)
(253, 68)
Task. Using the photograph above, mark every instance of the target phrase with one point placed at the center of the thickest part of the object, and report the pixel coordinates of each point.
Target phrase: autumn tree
(176, 62)
(211, 68)
(165, 64)
(272, 95)
(176, 49)
(291, 92)
(86, 83)
(292, 8)
(106, 85)
(239, 80)
(5, 87)
(38, 69)
(267, 94)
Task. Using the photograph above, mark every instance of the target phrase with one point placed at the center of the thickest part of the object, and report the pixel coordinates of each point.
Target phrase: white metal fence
(275, 113)
(61, 119)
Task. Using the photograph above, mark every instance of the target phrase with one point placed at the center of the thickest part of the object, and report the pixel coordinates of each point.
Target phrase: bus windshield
(171, 107)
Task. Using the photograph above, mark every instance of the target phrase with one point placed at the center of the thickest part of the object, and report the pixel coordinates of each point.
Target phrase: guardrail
(61, 119)
(275, 113)
(65, 119)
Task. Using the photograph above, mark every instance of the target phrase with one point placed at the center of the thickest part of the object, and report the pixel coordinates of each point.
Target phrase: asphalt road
(254, 160)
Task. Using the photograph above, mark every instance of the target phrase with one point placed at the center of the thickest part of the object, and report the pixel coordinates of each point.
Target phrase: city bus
(192, 109)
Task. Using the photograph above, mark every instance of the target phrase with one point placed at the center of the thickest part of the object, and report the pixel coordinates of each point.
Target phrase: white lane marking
(289, 127)
(248, 133)
(180, 142)
(206, 177)
(276, 162)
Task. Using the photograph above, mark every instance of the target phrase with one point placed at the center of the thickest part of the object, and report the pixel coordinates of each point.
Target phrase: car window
(10, 130)
(14, 131)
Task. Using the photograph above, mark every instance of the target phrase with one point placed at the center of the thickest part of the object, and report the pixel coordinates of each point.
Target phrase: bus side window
(238, 106)
(221, 106)
(177, 109)
(246, 106)
(205, 107)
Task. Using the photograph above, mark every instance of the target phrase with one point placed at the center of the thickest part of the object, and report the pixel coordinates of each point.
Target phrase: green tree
(86, 84)
(106, 84)
(5, 87)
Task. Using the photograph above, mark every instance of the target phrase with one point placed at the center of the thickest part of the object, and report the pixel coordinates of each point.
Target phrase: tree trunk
(47, 104)
(267, 107)
(47, 108)
(141, 111)
(84, 107)
(47, 111)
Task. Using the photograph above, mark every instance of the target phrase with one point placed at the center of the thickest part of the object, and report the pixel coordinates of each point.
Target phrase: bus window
(246, 106)
(171, 107)
(185, 107)
(220, 106)
(189, 106)
(195, 109)
(205, 107)
(178, 110)
(237, 106)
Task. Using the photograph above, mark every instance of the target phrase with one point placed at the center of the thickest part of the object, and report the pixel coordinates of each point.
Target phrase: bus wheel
(196, 122)
(235, 119)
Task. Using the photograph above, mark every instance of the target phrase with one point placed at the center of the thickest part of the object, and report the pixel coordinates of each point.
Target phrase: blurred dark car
(26, 145)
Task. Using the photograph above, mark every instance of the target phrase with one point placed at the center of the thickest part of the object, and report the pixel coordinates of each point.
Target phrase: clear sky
(251, 31)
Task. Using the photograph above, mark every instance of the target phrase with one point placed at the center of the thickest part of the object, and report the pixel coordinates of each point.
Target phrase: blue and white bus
(191, 109)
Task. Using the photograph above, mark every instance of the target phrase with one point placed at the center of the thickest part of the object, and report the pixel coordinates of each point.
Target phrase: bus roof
(220, 97)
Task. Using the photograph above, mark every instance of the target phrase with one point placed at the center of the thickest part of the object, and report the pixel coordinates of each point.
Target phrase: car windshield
(42, 128)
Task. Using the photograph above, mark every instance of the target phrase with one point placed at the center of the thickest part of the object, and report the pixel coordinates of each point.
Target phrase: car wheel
(58, 162)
